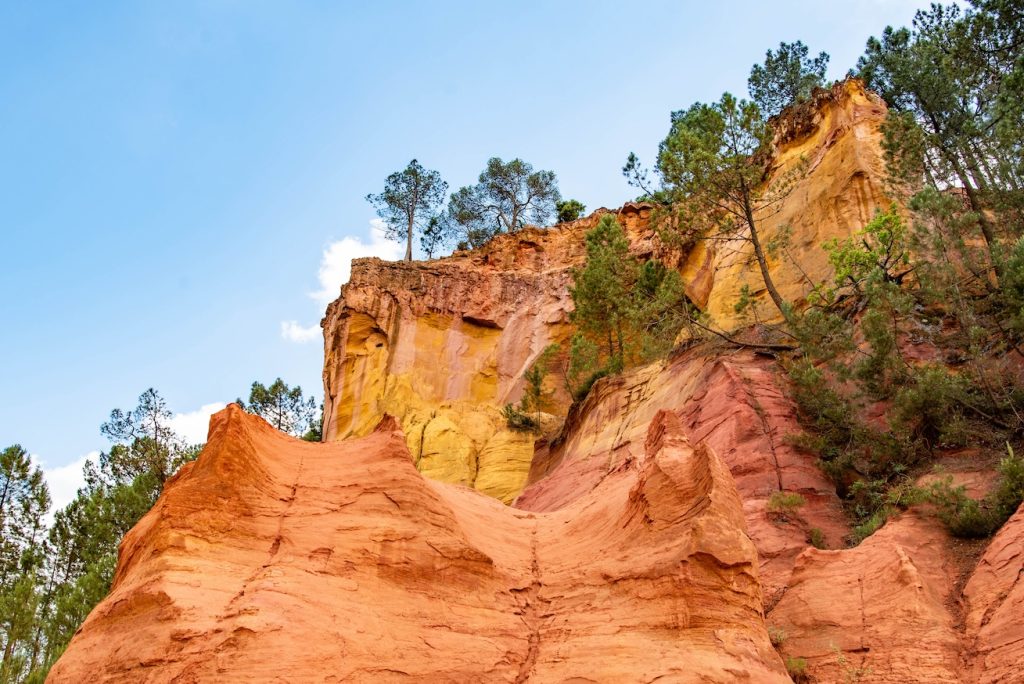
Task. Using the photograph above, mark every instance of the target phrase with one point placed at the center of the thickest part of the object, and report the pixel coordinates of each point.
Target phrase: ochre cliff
(442, 345)
(273, 559)
(638, 542)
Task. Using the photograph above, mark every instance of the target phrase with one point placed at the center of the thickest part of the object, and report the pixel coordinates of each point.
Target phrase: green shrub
(1009, 491)
(569, 210)
(518, 420)
(785, 503)
(797, 668)
(930, 410)
(777, 635)
(817, 538)
(973, 519)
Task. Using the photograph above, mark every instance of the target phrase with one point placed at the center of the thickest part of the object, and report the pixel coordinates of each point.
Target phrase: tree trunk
(762, 261)
(408, 240)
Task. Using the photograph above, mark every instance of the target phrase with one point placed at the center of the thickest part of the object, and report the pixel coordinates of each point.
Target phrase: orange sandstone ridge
(274, 559)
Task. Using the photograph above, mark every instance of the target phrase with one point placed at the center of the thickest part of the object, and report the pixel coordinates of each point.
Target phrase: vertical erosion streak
(530, 601)
(275, 546)
(766, 427)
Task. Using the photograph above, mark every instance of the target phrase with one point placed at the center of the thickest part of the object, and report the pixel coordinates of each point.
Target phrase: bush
(972, 519)
(930, 409)
(777, 636)
(817, 538)
(518, 420)
(785, 503)
(797, 668)
(569, 210)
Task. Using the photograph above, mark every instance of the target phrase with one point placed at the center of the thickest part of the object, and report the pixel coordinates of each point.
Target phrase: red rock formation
(730, 402)
(270, 558)
(994, 603)
(442, 345)
(877, 612)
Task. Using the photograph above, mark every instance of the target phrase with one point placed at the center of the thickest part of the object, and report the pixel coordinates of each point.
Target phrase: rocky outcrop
(271, 558)
(442, 345)
(875, 613)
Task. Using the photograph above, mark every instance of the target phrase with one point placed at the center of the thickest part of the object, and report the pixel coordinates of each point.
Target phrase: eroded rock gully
(637, 546)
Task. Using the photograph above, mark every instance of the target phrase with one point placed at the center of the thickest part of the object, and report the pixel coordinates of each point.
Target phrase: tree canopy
(787, 76)
(283, 407)
(507, 197)
(409, 203)
(712, 167)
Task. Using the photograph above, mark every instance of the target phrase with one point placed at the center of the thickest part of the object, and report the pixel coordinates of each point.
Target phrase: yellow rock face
(443, 345)
(837, 137)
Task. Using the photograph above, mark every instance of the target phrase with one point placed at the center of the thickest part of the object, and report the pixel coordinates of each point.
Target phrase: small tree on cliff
(507, 197)
(787, 76)
(712, 166)
(569, 210)
(282, 406)
(411, 198)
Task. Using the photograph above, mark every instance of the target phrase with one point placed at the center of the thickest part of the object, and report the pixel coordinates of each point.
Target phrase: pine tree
(712, 167)
(409, 202)
(24, 501)
(282, 406)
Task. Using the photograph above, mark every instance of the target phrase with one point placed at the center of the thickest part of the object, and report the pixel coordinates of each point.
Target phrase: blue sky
(182, 183)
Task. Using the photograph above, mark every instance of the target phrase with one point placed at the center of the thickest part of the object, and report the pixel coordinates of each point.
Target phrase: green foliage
(797, 668)
(777, 635)
(816, 538)
(873, 257)
(785, 503)
(948, 82)
(435, 235)
(930, 408)
(409, 204)
(625, 311)
(522, 418)
(24, 501)
(283, 407)
(316, 427)
(875, 501)
(507, 197)
(787, 76)
(974, 519)
(518, 420)
(712, 167)
(569, 210)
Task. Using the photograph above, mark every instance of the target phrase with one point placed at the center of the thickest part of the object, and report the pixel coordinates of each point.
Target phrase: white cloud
(194, 426)
(336, 262)
(293, 332)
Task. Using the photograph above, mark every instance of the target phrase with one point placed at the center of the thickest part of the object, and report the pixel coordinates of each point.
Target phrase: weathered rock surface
(994, 604)
(730, 402)
(877, 612)
(443, 345)
(272, 559)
